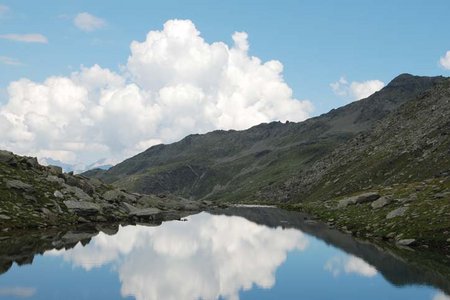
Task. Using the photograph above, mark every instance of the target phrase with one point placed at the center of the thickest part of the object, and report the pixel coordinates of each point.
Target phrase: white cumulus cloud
(87, 22)
(445, 60)
(25, 38)
(356, 90)
(173, 84)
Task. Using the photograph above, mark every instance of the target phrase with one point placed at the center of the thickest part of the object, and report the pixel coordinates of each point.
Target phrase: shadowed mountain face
(281, 162)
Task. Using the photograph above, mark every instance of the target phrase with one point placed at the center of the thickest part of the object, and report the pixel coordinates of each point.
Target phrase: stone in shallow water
(82, 207)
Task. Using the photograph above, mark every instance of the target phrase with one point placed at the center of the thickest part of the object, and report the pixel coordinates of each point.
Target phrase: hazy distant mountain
(292, 161)
(99, 164)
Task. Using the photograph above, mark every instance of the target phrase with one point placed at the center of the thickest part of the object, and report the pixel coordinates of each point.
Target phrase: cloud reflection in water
(205, 258)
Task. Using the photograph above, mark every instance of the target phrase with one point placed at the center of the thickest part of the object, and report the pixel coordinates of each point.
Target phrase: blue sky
(318, 42)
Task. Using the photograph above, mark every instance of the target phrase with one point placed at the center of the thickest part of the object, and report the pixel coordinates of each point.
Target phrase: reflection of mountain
(403, 268)
(206, 258)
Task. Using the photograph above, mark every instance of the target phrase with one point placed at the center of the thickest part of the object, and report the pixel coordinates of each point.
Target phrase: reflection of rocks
(400, 267)
(21, 246)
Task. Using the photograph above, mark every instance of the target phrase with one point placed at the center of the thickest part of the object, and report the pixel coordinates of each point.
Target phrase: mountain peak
(407, 80)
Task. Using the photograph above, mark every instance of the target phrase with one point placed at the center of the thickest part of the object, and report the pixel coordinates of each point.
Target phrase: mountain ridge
(207, 166)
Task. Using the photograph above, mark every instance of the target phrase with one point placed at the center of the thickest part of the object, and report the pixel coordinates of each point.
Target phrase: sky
(87, 80)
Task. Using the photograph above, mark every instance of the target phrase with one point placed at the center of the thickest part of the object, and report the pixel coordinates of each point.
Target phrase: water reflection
(204, 258)
(246, 253)
(339, 264)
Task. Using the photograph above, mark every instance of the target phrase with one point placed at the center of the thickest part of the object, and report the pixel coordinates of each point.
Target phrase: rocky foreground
(36, 196)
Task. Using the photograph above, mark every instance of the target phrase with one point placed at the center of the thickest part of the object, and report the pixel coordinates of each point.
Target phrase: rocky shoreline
(36, 196)
(413, 215)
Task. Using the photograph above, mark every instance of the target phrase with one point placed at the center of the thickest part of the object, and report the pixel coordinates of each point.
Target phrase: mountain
(272, 162)
(99, 164)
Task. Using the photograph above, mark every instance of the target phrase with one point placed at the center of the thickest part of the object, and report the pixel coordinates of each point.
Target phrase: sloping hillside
(258, 164)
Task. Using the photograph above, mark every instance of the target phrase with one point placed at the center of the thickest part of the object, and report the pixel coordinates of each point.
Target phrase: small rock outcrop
(397, 212)
(361, 198)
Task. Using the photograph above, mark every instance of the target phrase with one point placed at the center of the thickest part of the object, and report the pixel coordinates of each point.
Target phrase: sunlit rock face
(205, 258)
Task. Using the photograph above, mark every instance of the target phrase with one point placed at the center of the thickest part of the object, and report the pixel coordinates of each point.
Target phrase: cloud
(88, 22)
(10, 61)
(445, 60)
(356, 90)
(25, 38)
(350, 264)
(173, 84)
(441, 296)
(18, 292)
(208, 257)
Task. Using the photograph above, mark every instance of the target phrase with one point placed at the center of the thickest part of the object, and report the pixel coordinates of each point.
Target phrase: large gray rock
(55, 170)
(147, 212)
(53, 178)
(380, 202)
(82, 207)
(77, 192)
(7, 157)
(397, 212)
(19, 185)
(32, 162)
(361, 198)
(113, 195)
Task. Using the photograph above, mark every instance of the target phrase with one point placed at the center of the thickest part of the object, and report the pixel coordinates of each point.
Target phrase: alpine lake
(233, 253)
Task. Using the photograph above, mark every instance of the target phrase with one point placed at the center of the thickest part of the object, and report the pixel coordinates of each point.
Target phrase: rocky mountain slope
(36, 196)
(270, 162)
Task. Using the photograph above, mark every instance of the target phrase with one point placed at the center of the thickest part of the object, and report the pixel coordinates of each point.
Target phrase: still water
(243, 253)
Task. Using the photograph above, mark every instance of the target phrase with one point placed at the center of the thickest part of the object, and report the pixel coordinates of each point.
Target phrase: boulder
(82, 207)
(113, 195)
(53, 178)
(32, 162)
(397, 212)
(361, 198)
(380, 202)
(58, 194)
(80, 183)
(55, 170)
(147, 212)
(19, 185)
(77, 192)
(7, 157)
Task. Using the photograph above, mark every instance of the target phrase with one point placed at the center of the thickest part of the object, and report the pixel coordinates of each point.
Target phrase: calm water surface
(262, 254)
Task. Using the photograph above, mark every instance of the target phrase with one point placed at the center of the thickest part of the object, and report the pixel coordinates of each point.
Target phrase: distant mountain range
(398, 134)
(99, 164)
